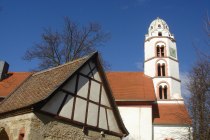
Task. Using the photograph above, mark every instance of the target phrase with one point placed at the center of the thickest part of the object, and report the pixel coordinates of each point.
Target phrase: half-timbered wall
(83, 99)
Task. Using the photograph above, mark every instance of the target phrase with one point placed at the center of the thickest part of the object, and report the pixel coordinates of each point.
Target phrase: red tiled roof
(171, 114)
(12, 82)
(131, 86)
(40, 85)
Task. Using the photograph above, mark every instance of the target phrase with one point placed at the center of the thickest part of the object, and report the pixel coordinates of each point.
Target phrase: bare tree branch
(73, 42)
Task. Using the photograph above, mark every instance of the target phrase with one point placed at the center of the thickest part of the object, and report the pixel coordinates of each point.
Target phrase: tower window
(160, 92)
(159, 25)
(163, 92)
(161, 69)
(160, 51)
(159, 34)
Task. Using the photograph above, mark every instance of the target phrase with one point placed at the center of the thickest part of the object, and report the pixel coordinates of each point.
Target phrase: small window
(161, 69)
(158, 51)
(159, 34)
(159, 25)
(21, 136)
(151, 27)
(160, 92)
(162, 51)
(163, 92)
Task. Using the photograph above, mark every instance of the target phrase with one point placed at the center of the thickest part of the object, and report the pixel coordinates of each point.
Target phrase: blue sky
(23, 21)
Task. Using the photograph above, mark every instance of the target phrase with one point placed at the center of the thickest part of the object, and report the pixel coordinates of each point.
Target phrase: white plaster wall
(176, 89)
(173, 68)
(149, 68)
(113, 126)
(162, 132)
(66, 111)
(53, 105)
(149, 50)
(138, 121)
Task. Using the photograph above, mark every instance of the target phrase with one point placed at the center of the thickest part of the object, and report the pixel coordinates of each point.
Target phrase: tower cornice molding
(160, 58)
(167, 77)
(149, 38)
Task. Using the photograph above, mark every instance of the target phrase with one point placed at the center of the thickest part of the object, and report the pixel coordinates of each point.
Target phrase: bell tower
(161, 62)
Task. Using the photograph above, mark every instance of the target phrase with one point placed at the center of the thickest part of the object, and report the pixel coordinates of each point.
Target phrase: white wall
(176, 132)
(138, 121)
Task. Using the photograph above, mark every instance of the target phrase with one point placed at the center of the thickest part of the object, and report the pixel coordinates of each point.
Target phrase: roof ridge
(62, 65)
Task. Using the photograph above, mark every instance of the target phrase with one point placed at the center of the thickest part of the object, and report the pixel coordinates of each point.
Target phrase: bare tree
(73, 42)
(199, 86)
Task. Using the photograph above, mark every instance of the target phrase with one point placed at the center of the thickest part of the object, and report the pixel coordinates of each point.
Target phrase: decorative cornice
(167, 77)
(162, 57)
(148, 39)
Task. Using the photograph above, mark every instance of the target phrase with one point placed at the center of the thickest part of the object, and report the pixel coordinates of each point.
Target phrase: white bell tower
(161, 62)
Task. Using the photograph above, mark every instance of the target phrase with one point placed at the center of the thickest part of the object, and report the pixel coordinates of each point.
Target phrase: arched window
(163, 92)
(161, 69)
(159, 33)
(160, 51)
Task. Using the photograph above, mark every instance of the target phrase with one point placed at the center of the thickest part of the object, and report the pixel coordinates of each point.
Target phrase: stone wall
(42, 127)
(16, 125)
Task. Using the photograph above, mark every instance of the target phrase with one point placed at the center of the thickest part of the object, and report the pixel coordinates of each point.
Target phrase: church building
(79, 101)
(150, 102)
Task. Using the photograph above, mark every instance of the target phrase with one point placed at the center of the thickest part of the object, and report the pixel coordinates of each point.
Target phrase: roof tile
(40, 85)
(171, 114)
(131, 86)
(12, 82)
